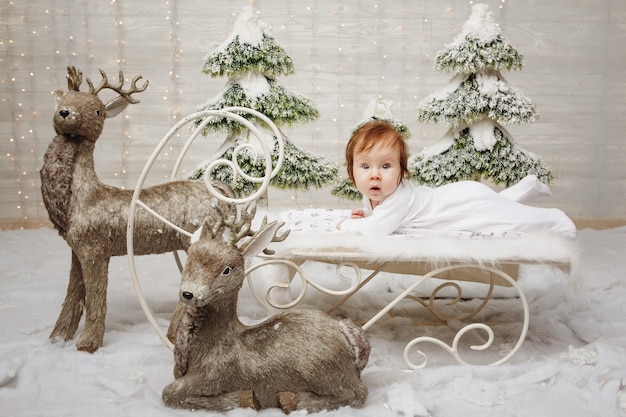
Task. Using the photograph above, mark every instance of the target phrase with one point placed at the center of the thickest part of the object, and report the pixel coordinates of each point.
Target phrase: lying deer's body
(301, 359)
(92, 217)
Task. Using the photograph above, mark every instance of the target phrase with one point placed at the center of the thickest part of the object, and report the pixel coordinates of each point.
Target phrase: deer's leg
(72, 309)
(187, 392)
(95, 276)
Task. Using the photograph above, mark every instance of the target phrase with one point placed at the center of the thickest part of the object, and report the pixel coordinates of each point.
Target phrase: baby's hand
(357, 214)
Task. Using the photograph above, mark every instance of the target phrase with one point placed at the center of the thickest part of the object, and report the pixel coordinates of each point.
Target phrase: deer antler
(118, 88)
(276, 238)
(239, 228)
(242, 227)
(246, 217)
(74, 78)
(227, 217)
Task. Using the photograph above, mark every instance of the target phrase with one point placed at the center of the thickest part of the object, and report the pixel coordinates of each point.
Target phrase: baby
(377, 156)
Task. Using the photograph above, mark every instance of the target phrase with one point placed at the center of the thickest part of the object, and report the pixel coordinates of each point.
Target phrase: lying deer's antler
(227, 217)
(74, 78)
(239, 228)
(118, 88)
(245, 228)
(242, 227)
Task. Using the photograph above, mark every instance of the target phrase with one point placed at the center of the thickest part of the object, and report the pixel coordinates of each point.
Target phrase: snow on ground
(571, 364)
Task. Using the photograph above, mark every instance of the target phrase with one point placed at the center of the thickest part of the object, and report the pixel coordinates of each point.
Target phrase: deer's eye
(227, 270)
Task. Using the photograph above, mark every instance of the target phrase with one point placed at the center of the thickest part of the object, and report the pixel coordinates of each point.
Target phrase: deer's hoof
(87, 345)
(247, 399)
(288, 401)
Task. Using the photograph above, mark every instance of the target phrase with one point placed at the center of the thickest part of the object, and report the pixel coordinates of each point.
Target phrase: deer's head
(215, 267)
(81, 114)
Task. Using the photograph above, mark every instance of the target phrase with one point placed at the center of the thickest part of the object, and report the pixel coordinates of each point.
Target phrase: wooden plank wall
(346, 53)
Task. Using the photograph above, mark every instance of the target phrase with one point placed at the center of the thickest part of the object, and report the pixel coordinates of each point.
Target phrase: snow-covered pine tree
(252, 60)
(476, 104)
(378, 109)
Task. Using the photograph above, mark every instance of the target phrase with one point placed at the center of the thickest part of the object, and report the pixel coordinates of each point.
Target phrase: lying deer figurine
(92, 217)
(297, 360)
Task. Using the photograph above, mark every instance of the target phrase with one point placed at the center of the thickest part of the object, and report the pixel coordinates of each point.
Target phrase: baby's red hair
(373, 133)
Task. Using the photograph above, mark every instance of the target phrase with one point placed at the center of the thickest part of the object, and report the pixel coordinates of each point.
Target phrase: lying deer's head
(215, 267)
(82, 114)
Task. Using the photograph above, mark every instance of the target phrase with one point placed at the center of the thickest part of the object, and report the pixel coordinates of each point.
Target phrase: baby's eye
(386, 166)
(365, 166)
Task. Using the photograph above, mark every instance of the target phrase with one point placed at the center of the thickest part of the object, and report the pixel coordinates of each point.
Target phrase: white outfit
(527, 189)
(465, 206)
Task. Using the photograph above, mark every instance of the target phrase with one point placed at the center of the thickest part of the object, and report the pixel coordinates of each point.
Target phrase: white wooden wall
(346, 52)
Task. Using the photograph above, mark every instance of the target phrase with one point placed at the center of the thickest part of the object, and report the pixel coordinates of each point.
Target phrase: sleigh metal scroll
(203, 117)
(446, 273)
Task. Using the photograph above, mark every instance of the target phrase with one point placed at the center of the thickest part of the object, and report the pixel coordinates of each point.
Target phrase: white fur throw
(434, 248)
(530, 248)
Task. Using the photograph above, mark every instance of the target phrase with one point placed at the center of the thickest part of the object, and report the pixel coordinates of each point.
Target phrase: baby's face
(377, 172)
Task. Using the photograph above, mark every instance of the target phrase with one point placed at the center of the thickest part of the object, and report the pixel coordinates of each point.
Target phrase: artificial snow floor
(573, 362)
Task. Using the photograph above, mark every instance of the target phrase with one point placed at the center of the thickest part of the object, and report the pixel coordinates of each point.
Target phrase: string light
(173, 90)
(125, 126)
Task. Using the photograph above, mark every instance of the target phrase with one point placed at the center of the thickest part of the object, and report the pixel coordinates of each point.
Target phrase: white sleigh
(439, 275)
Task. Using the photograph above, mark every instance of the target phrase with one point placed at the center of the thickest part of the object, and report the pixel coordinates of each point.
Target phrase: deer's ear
(260, 240)
(58, 94)
(115, 106)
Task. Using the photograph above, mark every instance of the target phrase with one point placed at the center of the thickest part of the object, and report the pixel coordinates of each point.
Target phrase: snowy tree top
(480, 25)
(480, 45)
(379, 109)
(249, 47)
(248, 27)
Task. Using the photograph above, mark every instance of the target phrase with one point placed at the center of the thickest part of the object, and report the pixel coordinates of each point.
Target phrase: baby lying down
(376, 158)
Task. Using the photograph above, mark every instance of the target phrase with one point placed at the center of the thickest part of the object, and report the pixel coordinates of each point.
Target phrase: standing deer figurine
(92, 217)
(296, 360)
